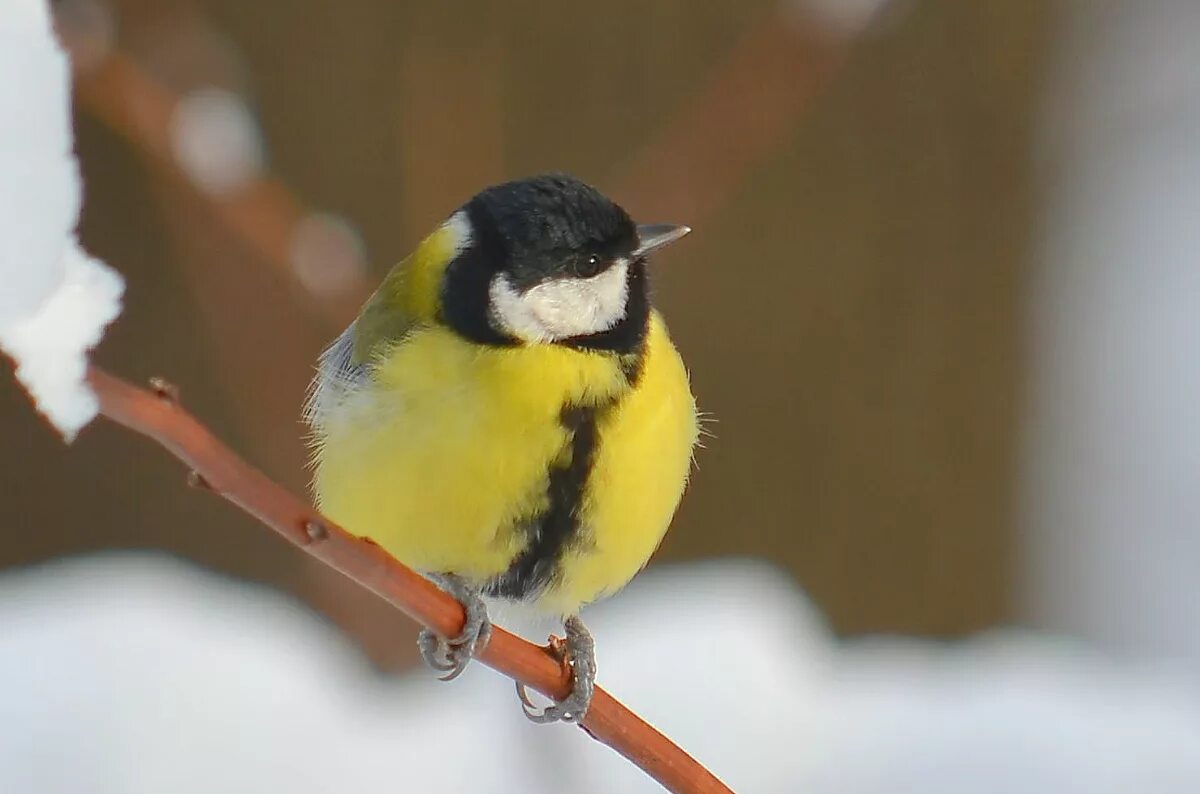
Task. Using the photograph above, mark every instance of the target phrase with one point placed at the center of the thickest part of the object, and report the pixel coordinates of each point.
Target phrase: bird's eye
(590, 266)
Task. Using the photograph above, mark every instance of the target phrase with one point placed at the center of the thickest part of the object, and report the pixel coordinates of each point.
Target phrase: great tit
(508, 415)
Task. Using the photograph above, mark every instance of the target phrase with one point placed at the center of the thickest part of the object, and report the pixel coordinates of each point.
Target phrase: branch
(158, 415)
(262, 213)
(737, 118)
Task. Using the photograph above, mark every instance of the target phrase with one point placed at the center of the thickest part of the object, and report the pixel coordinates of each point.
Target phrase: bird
(509, 416)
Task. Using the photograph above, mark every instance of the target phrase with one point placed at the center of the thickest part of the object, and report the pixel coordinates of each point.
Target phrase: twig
(158, 415)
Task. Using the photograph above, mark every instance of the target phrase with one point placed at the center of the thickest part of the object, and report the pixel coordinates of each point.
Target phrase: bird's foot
(451, 656)
(578, 654)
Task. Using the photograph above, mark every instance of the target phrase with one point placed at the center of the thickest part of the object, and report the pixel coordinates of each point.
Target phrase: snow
(39, 202)
(136, 673)
(56, 299)
(49, 345)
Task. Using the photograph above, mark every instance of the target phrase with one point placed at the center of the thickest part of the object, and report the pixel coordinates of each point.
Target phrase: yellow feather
(446, 448)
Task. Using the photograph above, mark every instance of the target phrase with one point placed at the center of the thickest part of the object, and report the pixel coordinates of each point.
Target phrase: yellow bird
(508, 415)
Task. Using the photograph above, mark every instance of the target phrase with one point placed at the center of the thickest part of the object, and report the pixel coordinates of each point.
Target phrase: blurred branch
(739, 116)
(158, 415)
(237, 241)
(263, 213)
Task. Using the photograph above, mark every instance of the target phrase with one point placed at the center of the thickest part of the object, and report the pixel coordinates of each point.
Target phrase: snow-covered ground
(138, 673)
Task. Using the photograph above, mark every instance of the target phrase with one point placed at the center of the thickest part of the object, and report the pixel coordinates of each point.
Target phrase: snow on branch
(56, 300)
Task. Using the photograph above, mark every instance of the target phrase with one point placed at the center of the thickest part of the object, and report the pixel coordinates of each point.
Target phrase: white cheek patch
(561, 308)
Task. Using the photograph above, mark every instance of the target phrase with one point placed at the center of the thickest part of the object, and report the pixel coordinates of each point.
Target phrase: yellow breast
(448, 447)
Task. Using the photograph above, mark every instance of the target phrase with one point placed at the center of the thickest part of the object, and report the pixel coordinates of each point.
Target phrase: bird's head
(549, 260)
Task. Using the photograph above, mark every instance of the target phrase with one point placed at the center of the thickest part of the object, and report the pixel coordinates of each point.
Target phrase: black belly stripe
(556, 528)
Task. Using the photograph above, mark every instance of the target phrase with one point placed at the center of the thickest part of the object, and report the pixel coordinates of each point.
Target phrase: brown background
(850, 304)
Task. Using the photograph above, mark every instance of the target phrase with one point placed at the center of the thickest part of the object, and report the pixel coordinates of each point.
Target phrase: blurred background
(942, 300)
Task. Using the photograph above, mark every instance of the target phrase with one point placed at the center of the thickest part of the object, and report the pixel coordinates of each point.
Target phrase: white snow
(136, 673)
(49, 345)
(55, 299)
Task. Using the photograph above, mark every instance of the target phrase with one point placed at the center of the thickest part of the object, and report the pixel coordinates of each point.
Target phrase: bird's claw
(452, 655)
(577, 653)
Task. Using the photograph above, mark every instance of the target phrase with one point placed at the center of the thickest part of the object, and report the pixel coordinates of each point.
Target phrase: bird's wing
(346, 364)
(337, 376)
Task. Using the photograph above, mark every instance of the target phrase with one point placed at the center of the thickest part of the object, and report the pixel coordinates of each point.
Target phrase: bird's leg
(578, 653)
(452, 655)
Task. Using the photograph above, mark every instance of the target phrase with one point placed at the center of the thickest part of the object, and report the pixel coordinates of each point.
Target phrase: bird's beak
(655, 236)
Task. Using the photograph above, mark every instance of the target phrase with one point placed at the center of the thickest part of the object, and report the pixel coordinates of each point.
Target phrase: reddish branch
(157, 414)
